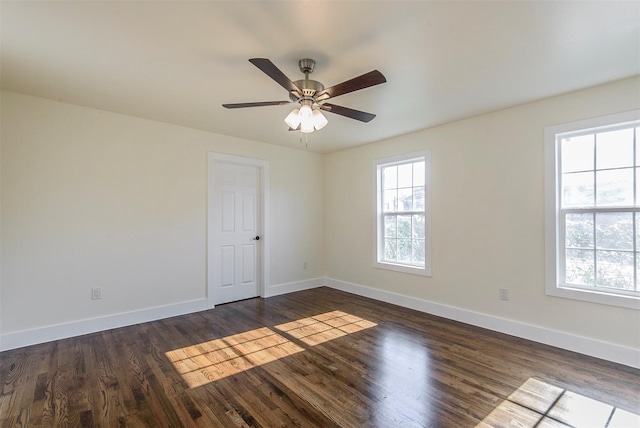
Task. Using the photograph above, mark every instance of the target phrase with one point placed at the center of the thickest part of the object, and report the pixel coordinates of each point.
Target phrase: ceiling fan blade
(371, 78)
(258, 104)
(274, 72)
(348, 112)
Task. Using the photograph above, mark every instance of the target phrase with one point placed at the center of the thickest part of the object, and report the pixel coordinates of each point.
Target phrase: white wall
(97, 199)
(488, 216)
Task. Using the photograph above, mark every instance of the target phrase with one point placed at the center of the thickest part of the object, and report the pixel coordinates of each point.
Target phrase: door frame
(263, 226)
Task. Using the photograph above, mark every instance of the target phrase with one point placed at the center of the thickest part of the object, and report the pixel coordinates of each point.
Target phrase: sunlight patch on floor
(539, 404)
(324, 327)
(210, 361)
(216, 359)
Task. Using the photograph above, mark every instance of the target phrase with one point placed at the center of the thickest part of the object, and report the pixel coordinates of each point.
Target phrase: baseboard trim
(583, 345)
(291, 287)
(595, 348)
(35, 336)
(50, 333)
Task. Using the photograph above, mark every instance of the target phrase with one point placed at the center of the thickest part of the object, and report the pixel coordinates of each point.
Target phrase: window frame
(555, 260)
(378, 251)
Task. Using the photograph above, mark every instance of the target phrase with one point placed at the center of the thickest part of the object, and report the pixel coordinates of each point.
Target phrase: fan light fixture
(307, 118)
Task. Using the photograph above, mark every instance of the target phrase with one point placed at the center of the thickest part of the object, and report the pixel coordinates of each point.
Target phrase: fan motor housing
(308, 87)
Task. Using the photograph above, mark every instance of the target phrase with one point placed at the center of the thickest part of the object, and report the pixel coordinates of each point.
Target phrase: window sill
(600, 297)
(422, 271)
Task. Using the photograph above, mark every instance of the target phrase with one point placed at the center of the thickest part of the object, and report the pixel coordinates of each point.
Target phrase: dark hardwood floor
(317, 358)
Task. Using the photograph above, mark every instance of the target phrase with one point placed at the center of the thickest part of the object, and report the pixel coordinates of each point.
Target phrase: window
(403, 226)
(593, 210)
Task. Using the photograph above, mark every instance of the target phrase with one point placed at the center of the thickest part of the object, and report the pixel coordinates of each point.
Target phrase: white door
(234, 232)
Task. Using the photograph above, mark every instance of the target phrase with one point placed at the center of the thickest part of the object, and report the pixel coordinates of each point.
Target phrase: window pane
(615, 187)
(418, 174)
(390, 177)
(579, 231)
(390, 251)
(577, 189)
(390, 201)
(598, 190)
(389, 226)
(637, 187)
(405, 199)
(577, 153)
(405, 175)
(404, 227)
(580, 267)
(638, 236)
(614, 149)
(404, 250)
(614, 231)
(638, 146)
(418, 251)
(417, 231)
(615, 269)
(418, 198)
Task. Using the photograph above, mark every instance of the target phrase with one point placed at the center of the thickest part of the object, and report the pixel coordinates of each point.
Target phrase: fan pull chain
(306, 139)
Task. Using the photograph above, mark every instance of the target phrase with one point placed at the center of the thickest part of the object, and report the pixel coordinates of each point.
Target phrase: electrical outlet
(305, 265)
(504, 294)
(96, 293)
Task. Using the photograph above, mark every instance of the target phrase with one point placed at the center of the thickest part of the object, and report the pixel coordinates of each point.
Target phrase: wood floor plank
(317, 358)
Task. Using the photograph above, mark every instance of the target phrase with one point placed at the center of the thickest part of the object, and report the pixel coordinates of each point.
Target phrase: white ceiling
(178, 61)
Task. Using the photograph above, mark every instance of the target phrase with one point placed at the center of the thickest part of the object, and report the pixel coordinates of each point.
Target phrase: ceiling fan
(312, 96)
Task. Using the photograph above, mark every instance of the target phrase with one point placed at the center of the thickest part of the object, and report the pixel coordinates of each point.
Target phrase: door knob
(257, 238)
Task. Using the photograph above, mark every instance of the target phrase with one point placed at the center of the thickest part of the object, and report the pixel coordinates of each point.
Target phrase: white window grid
(413, 217)
(594, 210)
(423, 269)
